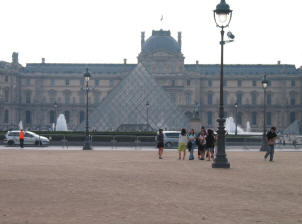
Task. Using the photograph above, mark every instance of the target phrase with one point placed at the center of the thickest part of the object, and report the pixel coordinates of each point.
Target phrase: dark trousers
(21, 143)
(201, 149)
(270, 152)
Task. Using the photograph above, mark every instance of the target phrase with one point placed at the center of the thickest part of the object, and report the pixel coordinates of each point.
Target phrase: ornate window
(269, 118)
(254, 83)
(210, 98)
(82, 116)
(27, 97)
(51, 117)
(239, 118)
(27, 117)
(269, 99)
(6, 116)
(239, 83)
(188, 98)
(254, 98)
(254, 118)
(239, 98)
(67, 116)
(292, 117)
(210, 117)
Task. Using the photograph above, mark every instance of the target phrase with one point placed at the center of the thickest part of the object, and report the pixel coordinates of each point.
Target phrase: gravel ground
(75, 186)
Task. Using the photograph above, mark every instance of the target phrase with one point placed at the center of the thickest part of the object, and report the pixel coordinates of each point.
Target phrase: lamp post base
(221, 162)
(87, 145)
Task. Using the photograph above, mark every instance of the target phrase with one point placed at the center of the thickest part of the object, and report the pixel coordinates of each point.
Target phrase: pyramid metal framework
(126, 105)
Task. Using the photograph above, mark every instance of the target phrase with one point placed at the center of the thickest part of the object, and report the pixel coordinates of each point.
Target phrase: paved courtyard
(123, 186)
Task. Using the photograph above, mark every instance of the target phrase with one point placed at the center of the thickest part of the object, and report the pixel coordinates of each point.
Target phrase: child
(182, 143)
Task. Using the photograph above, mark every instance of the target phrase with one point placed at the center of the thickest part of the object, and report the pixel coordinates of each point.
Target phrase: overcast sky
(96, 31)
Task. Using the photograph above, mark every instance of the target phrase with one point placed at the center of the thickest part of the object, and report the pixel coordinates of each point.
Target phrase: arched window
(52, 117)
(82, 116)
(28, 117)
(67, 116)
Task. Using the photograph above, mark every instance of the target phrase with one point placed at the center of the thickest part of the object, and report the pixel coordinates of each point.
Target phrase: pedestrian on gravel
(210, 144)
(191, 143)
(201, 143)
(270, 138)
(182, 144)
(160, 143)
(21, 138)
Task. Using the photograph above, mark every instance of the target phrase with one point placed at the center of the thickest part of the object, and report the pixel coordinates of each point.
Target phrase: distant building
(29, 93)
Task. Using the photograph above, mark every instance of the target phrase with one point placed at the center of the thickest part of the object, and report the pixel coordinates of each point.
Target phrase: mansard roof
(256, 69)
(206, 69)
(77, 68)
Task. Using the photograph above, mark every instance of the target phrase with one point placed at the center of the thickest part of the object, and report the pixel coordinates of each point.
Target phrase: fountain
(20, 125)
(230, 127)
(61, 123)
(248, 126)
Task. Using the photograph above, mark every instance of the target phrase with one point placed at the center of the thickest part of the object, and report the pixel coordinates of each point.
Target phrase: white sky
(96, 31)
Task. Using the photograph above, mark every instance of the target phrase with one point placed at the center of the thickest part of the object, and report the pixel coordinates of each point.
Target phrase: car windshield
(172, 135)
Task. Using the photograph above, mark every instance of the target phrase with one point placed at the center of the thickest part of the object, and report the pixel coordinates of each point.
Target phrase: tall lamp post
(222, 16)
(236, 110)
(87, 145)
(147, 106)
(264, 86)
(55, 105)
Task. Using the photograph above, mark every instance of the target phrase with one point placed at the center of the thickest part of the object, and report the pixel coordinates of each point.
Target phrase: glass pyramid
(125, 107)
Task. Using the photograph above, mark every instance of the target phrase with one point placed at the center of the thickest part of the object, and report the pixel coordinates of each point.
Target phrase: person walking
(191, 143)
(210, 144)
(201, 143)
(270, 138)
(21, 138)
(182, 144)
(160, 143)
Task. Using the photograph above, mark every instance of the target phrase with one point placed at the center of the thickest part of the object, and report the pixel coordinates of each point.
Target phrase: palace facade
(29, 93)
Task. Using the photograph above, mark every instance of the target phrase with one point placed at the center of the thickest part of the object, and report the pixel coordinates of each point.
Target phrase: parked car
(30, 138)
(171, 138)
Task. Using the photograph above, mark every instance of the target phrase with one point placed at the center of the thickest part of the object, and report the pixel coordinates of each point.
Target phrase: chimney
(179, 39)
(279, 62)
(15, 58)
(197, 62)
(125, 60)
(142, 40)
(43, 60)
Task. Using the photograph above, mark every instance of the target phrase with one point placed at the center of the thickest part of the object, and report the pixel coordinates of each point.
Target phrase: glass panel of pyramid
(125, 106)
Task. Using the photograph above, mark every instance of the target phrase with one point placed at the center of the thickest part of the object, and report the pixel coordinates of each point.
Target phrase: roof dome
(161, 41)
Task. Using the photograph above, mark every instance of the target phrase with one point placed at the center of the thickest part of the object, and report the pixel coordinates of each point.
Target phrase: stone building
(29, 93)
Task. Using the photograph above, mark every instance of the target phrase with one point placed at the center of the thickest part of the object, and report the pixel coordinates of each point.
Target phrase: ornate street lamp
(55, 105)
(147, 106)
(87, 145)
(222, 16)
(236, 109)
(264, 86)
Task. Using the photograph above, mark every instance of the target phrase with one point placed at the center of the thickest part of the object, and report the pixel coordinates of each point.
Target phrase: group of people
(205, 142)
